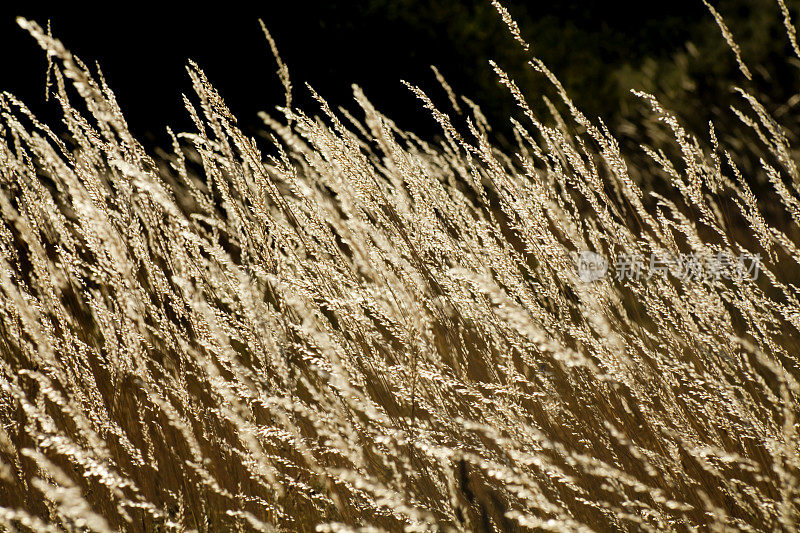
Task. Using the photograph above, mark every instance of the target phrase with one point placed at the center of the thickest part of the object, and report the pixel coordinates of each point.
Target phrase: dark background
(599, 49)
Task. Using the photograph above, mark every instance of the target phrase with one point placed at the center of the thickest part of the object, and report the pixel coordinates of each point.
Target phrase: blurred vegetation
(599, 50)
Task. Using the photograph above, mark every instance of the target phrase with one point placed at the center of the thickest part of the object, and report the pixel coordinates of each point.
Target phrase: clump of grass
(355, 329)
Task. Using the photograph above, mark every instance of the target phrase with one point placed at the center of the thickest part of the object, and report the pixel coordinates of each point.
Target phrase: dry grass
(353, 329)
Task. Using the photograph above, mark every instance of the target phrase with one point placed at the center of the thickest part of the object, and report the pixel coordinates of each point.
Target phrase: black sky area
(143, 49)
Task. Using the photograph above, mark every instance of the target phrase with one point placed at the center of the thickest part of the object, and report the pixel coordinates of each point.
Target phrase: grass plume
(354, 329)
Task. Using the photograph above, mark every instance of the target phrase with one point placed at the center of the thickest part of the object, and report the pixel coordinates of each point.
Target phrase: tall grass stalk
(351, 328)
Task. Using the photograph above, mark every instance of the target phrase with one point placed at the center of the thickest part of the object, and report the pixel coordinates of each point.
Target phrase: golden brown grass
(355, 329)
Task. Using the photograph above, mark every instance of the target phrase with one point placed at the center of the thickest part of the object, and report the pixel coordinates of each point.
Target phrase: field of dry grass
(349, 328)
